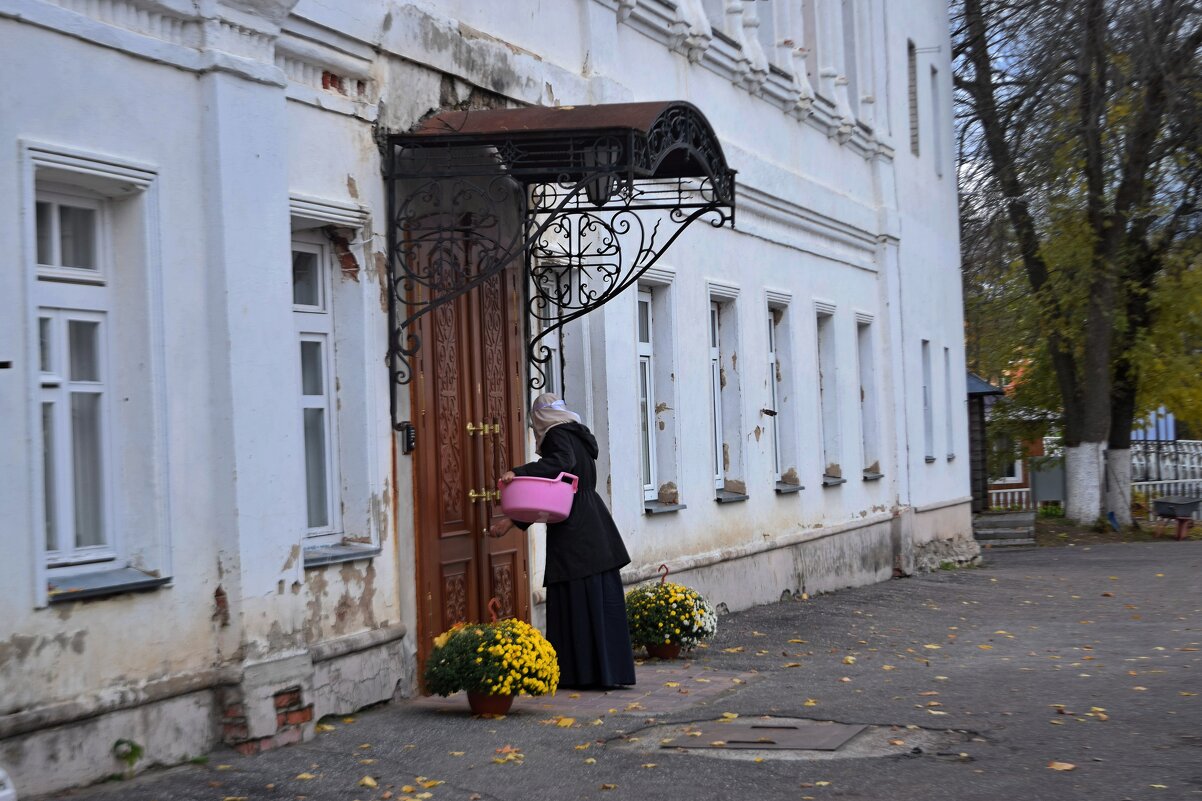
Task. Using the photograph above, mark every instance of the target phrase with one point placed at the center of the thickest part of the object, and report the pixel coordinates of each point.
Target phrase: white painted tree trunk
(1118, 485)
(1083, 471)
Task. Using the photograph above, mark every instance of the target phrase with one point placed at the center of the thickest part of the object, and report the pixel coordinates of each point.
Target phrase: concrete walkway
(972, 683)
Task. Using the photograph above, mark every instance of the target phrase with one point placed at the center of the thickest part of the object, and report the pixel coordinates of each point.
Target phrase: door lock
(474, 496)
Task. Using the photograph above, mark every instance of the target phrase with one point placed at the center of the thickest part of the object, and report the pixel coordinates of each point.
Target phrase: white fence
(1010, 499)
(1160, 460)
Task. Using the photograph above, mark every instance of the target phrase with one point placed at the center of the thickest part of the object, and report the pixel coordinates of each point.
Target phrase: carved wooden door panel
(468, 410)
(504, 570)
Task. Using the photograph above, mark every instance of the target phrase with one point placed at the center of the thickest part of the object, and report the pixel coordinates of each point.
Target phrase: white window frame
(57, 195)
(928, 414)
(869, 414)
(949, 418)
(135, 431)
(936, 123)
(715, 322)
(57, 388)
(774, 395)
(63, 294)
(646, 367)
(315, 323)
(826, 344)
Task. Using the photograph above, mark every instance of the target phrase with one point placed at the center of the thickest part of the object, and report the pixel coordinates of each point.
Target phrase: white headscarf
(547, 412)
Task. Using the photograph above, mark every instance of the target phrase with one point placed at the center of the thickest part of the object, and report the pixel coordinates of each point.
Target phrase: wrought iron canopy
(587, 197)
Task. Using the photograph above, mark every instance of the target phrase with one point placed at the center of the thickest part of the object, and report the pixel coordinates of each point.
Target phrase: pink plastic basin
(538, 500)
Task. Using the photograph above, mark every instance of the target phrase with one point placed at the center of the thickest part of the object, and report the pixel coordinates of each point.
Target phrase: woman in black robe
(586, 605)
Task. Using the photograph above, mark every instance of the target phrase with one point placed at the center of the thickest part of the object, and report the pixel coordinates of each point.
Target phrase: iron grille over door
(586, 198)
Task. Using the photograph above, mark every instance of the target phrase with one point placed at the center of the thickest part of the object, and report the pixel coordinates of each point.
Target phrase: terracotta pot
(664, 650)
(488, 704)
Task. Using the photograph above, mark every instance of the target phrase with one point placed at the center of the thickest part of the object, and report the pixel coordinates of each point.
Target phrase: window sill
(321, 555)
(100, 584)
(726, 496)
(832, 481)
(930, 459)
(787, 489)
(873, 476)
(657, 508)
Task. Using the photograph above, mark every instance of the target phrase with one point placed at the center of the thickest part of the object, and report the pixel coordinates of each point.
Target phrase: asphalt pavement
(1050, 673)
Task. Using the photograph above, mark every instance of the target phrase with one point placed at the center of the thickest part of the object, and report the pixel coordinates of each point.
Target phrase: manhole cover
(766, 734)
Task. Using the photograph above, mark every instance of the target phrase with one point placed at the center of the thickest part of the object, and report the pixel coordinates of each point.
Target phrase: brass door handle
(474, 496)
(472, 429)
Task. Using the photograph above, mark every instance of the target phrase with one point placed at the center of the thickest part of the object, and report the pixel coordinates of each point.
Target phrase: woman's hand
(500, 528)
(507, 476)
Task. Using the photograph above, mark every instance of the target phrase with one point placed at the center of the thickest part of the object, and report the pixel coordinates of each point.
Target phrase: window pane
(48, 471)
(714, 325)
(311, 368)
(45, 225)
(86, 460)
(45, 363)
(82, 336)
(77, 233)
(315, 468)
(644, 409)
(306, 279)
(644, 321)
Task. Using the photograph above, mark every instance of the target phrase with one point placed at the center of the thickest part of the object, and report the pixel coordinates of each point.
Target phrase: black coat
(587, 542)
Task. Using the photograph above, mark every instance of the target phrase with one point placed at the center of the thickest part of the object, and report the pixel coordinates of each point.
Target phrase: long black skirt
(586, 623)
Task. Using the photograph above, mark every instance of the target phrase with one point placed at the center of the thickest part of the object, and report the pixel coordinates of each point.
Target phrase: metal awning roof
(660, 139)
(979, 386)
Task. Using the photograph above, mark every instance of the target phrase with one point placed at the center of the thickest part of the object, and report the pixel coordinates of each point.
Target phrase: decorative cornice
(778, 298)
(721, 290)
(823, 307)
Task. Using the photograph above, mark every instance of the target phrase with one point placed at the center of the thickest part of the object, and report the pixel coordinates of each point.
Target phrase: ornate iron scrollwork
(586, 212)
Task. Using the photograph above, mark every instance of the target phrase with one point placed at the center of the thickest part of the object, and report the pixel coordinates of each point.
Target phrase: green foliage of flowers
(507, 657)
(669, 613)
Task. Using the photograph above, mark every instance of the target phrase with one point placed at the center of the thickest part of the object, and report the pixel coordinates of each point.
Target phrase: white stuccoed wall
(234, 125)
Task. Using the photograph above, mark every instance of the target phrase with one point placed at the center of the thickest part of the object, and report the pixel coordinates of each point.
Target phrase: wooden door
(469, 413)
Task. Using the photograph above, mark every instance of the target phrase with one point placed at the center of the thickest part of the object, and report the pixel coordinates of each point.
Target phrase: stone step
(1008, 543)
(1003, 533)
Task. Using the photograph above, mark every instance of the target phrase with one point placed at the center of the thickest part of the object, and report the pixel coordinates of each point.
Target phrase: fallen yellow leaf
(897, 742)
(428, 783)
(799, 642)
(1062, 766)
(792, 664)
(455, 753)
(583, 746)
(305, 776)
(849, 660)
(671, 684)
(348, 720)
(223, 767)
(1186, 693)
(369, 782)
(235, 798)
(408, 788)
(985, 647)
(822, 784)
(932, 646)
(648, 764)
(325, 727)
(810, 702)
(730, 715)
(888, 667)
(738, 649)
(590, 761)
(367, 762)
(1159, 786)
(565, 723)
(609, 787)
